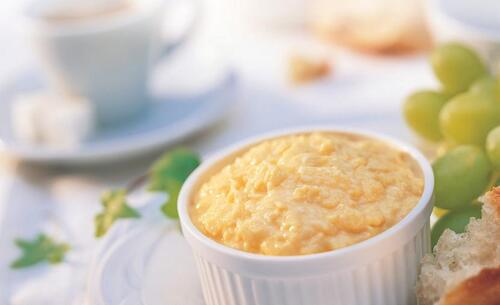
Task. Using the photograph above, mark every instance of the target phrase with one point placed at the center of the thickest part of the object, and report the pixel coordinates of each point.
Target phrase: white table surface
(362, 91)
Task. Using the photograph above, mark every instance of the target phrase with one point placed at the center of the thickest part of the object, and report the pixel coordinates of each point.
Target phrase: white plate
(168, 120)
(144, 262)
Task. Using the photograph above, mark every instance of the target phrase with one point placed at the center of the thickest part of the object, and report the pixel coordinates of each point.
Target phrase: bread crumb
(302, 69)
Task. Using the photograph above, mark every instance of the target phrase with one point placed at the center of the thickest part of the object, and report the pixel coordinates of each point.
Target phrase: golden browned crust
(481, 289)
(493, 199)
(345, 35)
(344, 38)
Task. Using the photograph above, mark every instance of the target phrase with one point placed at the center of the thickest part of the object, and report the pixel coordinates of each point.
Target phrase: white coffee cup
(107, 58)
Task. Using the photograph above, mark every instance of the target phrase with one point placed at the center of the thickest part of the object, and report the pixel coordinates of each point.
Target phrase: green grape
(443, 148)
(439, 212)
(455, 221)
(493, 147)
(461, 175)
(487, 86)
(456, 67)
(421, 111)
(468, 118)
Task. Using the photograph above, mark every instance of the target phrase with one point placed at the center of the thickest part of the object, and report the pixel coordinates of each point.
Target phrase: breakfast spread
(255, 213)
(465, 268)
(307, 193)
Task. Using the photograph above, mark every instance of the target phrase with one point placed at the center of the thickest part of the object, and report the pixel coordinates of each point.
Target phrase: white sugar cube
(24, 114)
(53, 120)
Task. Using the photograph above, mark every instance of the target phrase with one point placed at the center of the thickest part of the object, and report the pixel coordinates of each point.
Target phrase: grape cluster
(464, 116)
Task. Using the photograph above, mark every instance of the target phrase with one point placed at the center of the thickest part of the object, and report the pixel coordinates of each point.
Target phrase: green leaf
(175, 165)
(169, 208)
(41, 249)
(169, 173)
(115, 207)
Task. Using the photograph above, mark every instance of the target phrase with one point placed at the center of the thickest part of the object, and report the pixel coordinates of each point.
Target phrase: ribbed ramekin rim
(191, 182)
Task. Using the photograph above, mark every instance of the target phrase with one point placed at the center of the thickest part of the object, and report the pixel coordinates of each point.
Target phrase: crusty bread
(480, 289)
(387, 26)
(465, 268)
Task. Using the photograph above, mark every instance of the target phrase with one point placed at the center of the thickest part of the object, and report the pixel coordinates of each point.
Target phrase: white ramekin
(381, 270)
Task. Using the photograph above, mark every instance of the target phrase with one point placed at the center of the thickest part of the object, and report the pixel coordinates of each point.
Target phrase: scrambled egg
(307, 193)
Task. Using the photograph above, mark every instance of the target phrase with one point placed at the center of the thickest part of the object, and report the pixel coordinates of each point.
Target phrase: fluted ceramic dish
(379, 271)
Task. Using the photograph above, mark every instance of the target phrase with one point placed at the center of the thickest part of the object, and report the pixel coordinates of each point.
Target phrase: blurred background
(92, 93)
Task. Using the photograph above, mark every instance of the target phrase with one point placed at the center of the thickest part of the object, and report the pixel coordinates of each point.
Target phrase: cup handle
(169, 47)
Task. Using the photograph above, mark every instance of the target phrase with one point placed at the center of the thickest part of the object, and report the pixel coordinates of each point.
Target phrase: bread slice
(387, 26)
(465, 268)
(480, 289)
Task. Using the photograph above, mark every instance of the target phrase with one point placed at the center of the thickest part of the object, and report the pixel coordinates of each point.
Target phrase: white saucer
(168, 119)
(144, 262)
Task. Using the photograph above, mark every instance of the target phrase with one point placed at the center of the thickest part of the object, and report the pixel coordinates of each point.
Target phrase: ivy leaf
(169, 173)
(175, 165)
(115, 207)
(42, 248)
(169, 208)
